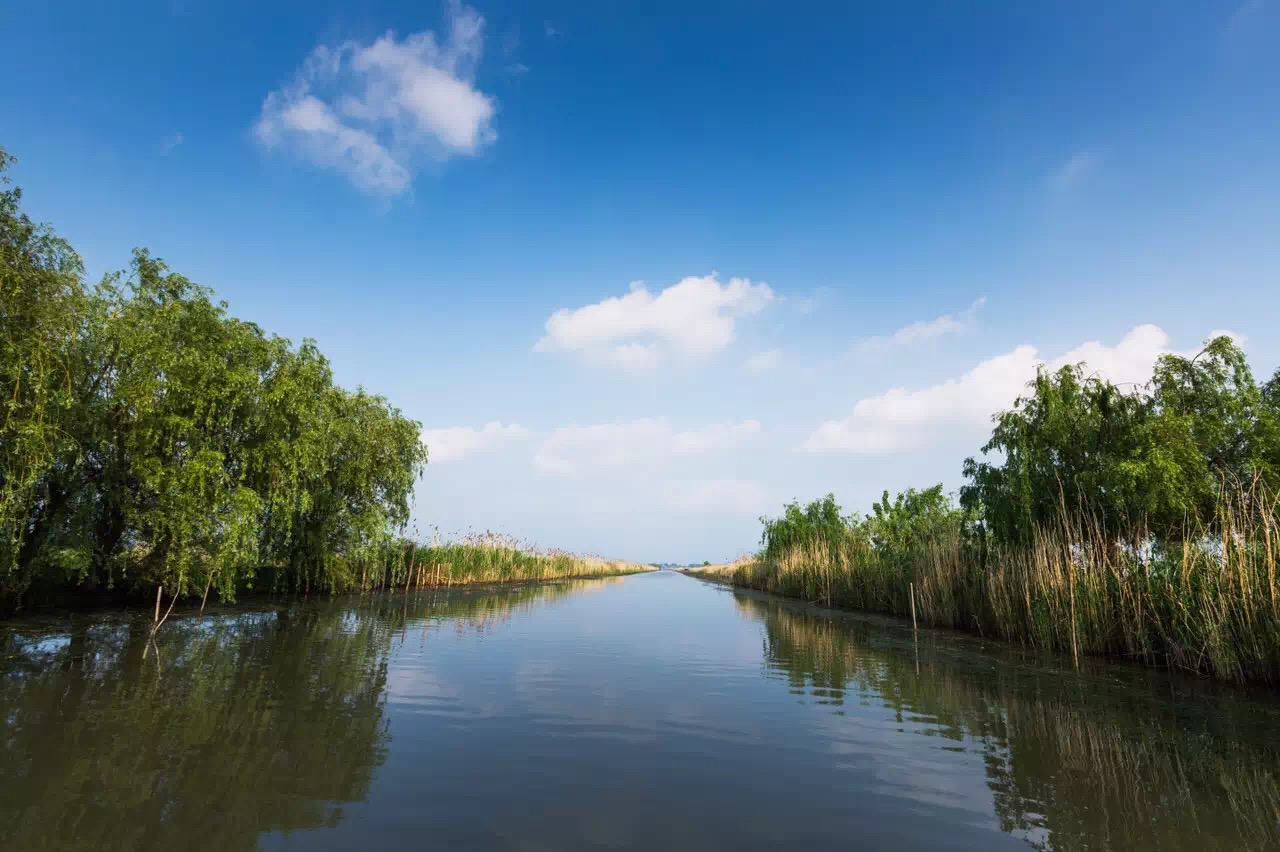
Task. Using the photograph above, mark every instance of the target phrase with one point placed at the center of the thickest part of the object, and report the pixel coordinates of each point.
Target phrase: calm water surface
(652, 712)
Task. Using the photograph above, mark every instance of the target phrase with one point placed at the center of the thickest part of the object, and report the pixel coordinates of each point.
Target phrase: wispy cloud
(456, 442)
(719, 496)
(372, 111)
(1069, 173)
(168, 143)
(692, 318)
(925, 330)
(1243, 13)
(763, 361)
(574, 450)
(550, 30)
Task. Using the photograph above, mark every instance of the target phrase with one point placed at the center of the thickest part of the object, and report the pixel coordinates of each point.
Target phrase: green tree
(149, 439)
(1071, 445)
(42, 307)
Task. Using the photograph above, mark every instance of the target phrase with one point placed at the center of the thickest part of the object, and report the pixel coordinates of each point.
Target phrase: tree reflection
(1071, 762)
(231, 725)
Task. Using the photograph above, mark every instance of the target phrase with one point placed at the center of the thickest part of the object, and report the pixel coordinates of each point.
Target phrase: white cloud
(456, 442)
(372, 111)
(922, 330)
(762, 361)
(1238, 339)
(902, 419)
(1073, 170)
(721, 496)
(693, 318)
(572, 450)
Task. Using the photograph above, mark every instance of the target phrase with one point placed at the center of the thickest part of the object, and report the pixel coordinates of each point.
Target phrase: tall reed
(1207, 601)
(483, 558)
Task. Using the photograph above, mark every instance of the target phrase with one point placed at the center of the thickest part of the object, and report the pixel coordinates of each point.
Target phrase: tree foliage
(1142, 462)
(149, 438)
(1141, 521)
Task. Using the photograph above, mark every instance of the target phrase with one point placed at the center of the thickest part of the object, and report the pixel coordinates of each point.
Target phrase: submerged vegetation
(1142, 523)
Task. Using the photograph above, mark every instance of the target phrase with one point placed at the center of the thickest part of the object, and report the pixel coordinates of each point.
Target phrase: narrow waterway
(650, 712)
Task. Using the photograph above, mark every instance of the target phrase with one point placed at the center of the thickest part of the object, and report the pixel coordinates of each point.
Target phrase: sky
(644, 272)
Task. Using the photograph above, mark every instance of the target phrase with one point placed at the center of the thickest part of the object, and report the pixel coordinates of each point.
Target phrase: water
(651, 712)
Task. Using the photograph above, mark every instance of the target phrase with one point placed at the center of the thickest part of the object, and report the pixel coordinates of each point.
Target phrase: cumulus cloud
(762, 361)
(902, 419)
(371, 111)
(1238, 339)
(573, 450)
(1073, 170)
(692, 318)
(456, 442)
(720, 496)
(923, 330)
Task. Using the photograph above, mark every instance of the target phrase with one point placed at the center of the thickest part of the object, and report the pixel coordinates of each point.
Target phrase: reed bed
(1207, 602)
(485, 558)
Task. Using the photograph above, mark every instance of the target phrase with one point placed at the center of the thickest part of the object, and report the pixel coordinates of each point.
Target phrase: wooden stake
(911, 587)
(156, 619)
(1075, 650)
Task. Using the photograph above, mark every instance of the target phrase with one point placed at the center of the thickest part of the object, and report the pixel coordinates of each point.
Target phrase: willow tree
(1212, 428)
(1136, 462)
(150, 440)
(1067, 446)
(42, 306)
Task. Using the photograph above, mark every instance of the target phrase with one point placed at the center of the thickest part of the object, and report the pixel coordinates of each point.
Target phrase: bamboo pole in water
(911, 587)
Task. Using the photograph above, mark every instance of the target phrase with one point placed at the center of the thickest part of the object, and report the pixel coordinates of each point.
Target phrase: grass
(1208, 603)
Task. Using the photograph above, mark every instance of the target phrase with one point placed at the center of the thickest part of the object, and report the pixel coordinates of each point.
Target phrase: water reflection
(231, 725)
(653, 712)
(1090, 761)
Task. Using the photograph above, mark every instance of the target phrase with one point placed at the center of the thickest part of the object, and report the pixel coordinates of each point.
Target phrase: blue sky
(858, 226)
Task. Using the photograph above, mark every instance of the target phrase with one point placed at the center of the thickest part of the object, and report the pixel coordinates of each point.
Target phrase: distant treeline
(1140, 522)
(149, 439)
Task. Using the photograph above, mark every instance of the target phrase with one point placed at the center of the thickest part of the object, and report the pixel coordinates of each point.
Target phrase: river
(649, 712)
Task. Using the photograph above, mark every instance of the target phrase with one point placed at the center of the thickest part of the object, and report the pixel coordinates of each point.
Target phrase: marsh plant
(485, 558)
(1141, 523)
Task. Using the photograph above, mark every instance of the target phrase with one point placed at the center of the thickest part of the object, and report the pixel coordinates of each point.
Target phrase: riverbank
(402, 566)
(1210, 611)
(1139, 522)
(722, 571)
(492, 560)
